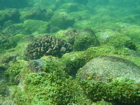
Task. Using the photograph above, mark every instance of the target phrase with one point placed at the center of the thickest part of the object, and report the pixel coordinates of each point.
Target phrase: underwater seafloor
(69, 52)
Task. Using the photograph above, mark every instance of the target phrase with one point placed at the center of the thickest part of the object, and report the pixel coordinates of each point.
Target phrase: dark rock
(9, 14)
(2, 70)
(47, 45)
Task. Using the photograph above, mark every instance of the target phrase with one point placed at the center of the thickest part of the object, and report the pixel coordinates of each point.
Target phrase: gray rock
(106, 68)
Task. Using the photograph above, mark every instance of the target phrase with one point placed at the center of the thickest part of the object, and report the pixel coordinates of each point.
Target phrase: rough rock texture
(107, 68)
(60, 21)
(47, 45)
(121, 41)
(14, 29)
(70, 35)
(38, 14)
(111, 79)
(85, 39)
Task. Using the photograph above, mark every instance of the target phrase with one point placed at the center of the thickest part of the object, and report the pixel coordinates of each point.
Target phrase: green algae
(119, 90)
(75, 60)
(83, 42)
(35, 26)
(53, 87)
(120, 41)
(14, 70)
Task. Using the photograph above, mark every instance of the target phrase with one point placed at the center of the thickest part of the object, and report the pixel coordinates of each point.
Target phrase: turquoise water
(44, 45)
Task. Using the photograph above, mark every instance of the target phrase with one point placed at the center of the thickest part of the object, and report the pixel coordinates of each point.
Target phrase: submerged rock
(106, 68)
(85, 39)
(111, 79)
(38, 14)
(9, 14)
(35, 66)
(61, 21)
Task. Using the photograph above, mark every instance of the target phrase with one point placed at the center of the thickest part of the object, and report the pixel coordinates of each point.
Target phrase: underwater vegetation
(69, 52)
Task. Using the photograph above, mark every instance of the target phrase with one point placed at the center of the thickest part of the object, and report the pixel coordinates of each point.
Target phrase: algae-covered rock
(85, 39)
(48, 80)
(50, 85)
(37, 14)
(2, 70)
(132, 31)
(61, 21)
(9, 14)
(6, 42)
(14, 29)
(35, 26)
(106, 68)
(4, 89)
(13, 72)
(68, 35)
(70, 7)
(103, 34)
(121, 41)
(111, 78)
(76, 60)
(9, 42)
(119, 91)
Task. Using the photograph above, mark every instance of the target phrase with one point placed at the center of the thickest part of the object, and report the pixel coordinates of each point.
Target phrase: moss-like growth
(14, 70)
(120, 41)
(61, 21)
(85, 39)
(9, 14)
(70, 7)
(53, 87)
(75, 60)
(119, 90)
(35, 26)
(6, 42)
(82, 43)
(3, 89)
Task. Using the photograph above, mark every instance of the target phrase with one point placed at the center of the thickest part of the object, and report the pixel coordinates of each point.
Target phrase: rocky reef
(69, 52)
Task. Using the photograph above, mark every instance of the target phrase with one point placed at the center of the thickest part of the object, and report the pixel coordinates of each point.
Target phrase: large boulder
(106, 68)
(111, 79)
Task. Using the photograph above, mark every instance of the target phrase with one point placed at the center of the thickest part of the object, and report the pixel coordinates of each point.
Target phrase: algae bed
(46, 46)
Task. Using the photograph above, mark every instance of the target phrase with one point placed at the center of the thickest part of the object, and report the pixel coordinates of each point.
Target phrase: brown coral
(47, 45)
